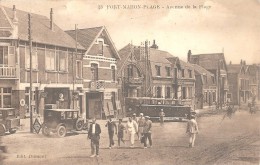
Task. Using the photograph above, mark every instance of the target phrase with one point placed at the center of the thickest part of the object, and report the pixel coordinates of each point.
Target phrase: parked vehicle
(9, 121)
(61, 121)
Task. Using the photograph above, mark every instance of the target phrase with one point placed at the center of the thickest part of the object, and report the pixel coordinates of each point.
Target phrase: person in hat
(112, 129)
(134, 117)
(131, 129)
(94, 134)
(192, 130)
(161, 115)
(141, 122)
(147, 131)
(120, 134)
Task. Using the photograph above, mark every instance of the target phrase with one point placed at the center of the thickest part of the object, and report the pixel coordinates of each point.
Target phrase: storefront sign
(37, 126)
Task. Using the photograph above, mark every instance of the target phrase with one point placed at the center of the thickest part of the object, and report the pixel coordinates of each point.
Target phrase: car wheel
(12, 130)
(2, 129)
(79, 125)
(85, 126)
(45, 130)
(61, 131)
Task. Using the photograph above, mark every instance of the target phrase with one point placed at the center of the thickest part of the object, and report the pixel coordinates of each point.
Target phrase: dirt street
(232, 141)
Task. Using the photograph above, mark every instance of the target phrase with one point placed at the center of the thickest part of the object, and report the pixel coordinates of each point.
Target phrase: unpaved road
(233, 141)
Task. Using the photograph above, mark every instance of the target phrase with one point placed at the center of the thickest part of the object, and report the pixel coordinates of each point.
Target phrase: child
(120, 134)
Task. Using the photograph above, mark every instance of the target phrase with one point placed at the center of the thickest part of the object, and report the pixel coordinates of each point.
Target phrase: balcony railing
(8, 72)
(97, 85)
(134, 80)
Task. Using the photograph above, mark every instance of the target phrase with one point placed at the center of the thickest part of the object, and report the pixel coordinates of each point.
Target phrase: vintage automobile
(9, 121)
(61, 121)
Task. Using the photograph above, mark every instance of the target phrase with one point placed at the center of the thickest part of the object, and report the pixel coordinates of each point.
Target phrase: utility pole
(73, 72)
(30, 49)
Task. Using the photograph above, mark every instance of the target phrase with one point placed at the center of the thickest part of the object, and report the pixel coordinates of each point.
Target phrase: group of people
(140, 127)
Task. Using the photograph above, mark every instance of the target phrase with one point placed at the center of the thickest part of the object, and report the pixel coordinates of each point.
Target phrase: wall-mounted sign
(22, 102)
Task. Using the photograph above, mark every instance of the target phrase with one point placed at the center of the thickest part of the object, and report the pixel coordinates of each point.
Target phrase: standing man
(161, 115)
(112, 129)
(192, 130)
(141, 122)
(134, 117)
(94, 134)
(120, 134)
(131, 129)
(147, 131)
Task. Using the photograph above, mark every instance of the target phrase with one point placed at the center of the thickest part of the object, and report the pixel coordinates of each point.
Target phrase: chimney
(189, 56)
(154, 45)
(15, 19)
(241, 62)
(230, 63)
(244, 62)
(51, 20)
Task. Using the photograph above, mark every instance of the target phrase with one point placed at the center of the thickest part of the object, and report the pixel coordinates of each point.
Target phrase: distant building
(216, 64)
(238, 78)
(253, 71)
(205, 87)
(53, 59)
(149, 74)
(100, 83)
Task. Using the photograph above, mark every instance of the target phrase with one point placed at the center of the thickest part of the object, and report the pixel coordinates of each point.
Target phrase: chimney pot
(15, 20)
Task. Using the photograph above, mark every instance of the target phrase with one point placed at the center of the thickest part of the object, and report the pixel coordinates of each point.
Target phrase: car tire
(2, 129)
(79, 125)
(85, 126)
(45, 130)
(12, 131)
(61, 131)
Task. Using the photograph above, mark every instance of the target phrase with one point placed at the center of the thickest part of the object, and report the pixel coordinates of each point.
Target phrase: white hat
(141, 114)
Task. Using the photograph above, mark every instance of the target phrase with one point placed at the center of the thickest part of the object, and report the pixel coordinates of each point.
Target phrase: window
(113, 73)
(213, 79)
(94, 71)
(184, 92)
(190, 73)
(158, 92)
(168, 92)
(158, 70)
(182, 73)
(79, 69)
(190, 92)
(5, 97)
(100, 47)
(50, 60)
(130, 71)
(63, 64)
(3, 55)
(34, 58)
(175, 73)
(168, 71)
(205, 97)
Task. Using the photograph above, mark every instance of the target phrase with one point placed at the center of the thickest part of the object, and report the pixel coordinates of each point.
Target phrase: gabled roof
(124, 53)
(159, 56)
(208, 61)
(201, 71)
(4, 20)
(41, 32)
(87, 37)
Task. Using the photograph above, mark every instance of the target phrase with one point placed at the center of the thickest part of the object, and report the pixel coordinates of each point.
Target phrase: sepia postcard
(120, 82)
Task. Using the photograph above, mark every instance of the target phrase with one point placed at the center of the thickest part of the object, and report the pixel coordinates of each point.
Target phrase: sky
(229, 26)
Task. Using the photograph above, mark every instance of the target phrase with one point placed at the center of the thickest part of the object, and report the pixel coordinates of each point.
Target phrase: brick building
(216, 64)
(100, 84)
(205, 87)
(238, 78)
(53, 59)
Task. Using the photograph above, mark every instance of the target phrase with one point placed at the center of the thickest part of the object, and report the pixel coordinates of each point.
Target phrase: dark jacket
(97, 130)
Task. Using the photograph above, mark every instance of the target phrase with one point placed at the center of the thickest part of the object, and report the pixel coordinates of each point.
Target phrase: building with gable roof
(53, 63)
(216, 64)
(238, 78)
(205, 87)
(100, 83)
